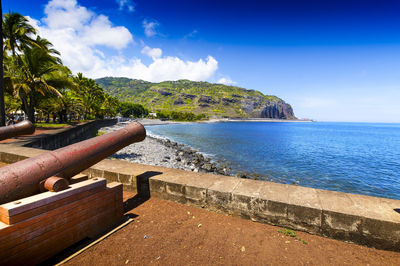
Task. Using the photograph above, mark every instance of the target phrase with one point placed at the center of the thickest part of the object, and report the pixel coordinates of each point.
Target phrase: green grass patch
(39, 125)
(287, 232)
(291, 233)
(99, 133)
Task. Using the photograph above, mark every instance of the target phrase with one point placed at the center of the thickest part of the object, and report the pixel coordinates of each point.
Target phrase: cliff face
(267, 107)
(199, 98)
(277, 110)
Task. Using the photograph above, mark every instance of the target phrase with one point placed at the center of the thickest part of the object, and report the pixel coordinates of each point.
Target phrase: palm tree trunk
(29, 108)
(31, 111)
(31, 114)
(2, 110)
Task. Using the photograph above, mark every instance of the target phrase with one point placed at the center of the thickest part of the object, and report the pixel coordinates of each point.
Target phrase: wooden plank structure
(36, 228)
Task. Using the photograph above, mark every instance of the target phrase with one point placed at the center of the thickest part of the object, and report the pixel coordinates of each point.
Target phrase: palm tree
(91, 96)
(33, 79)
(109, 106)
(17, 33)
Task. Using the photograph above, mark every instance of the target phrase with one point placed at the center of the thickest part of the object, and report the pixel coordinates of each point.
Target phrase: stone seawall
(365, 220)
(65, 136)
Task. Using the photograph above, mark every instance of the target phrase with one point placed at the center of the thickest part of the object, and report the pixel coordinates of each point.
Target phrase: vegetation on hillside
(127, 109)
(180, 116)
(199, 98)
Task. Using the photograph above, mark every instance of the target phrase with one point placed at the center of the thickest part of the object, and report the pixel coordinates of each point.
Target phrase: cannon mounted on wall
(22, 128)
(24, 178)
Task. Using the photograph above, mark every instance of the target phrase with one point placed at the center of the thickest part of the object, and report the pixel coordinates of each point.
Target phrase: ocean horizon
(352, 157)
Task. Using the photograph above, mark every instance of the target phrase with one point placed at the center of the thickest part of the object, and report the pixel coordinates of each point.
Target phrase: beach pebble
(167, 153)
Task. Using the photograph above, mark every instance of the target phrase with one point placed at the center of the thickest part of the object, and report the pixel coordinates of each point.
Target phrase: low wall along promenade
(365, 220)
(64, 136)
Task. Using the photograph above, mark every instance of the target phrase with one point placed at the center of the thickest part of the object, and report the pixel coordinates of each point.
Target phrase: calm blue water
(361, 158)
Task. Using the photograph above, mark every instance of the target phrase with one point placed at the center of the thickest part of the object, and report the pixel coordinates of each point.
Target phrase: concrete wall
(360, 219)
(65, 136)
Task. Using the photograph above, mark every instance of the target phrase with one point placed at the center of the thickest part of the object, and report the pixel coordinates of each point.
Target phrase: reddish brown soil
(169, 233)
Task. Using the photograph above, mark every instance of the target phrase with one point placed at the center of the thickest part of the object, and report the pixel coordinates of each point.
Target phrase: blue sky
(331, 60)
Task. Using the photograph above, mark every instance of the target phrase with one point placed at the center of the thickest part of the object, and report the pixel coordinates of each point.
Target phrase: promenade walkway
(169, 233)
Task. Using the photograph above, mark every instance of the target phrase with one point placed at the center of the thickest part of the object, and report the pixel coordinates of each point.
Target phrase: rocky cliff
(198, 97)
(278, 110)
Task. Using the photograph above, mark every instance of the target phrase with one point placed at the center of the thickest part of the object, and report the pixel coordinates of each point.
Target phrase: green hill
(197, 97)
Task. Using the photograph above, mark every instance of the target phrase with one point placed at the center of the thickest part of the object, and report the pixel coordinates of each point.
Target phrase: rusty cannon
(22, 128)
(22, 179)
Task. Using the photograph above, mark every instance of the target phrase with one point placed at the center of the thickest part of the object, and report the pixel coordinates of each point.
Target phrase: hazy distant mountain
(198, 97)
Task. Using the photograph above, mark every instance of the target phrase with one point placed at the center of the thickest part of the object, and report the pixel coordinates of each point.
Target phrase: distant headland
(198, 97)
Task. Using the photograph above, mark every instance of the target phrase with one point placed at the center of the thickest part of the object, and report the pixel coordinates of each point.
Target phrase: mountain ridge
(198, 97)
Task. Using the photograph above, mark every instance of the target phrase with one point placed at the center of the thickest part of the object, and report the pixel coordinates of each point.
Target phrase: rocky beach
(160, 151)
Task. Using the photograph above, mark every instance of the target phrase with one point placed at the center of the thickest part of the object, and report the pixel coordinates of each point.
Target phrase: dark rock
(188, 96)
(250, 103)
(206, 99)
(164, 93)
(242, 175)
(221, 171)
(277, 110)
(204, 105)
(227, 101)
(256, 176)
(207, 166)
(178, 101)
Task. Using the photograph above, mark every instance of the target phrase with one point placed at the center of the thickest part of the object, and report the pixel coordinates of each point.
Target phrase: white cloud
(226, 81)
(150, 28)
(165, 68)
(152, 52)
(126, 3)
(81, 35)
(101, 32)
(66, 14)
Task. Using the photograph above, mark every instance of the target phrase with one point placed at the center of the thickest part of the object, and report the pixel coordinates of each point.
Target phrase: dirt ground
(169, 233)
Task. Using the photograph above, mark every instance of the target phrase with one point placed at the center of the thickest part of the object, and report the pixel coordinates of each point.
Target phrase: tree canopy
(37, 83)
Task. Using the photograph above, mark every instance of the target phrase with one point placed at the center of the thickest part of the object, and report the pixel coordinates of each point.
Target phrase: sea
(361, 158)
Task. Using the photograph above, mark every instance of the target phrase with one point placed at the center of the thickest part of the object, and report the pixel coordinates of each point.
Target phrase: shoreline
(161, 151)
(217, 120)
(156, 122)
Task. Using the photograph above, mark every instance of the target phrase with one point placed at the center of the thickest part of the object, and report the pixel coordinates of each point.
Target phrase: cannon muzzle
(21, 179)
(22, 128)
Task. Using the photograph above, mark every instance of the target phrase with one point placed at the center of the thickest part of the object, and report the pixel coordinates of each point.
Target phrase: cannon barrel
(21, 179)
(22, 128)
